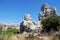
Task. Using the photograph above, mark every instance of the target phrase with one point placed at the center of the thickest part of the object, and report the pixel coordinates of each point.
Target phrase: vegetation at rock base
(51, 23)
(11, 33)
(12, 30)
(5, 34)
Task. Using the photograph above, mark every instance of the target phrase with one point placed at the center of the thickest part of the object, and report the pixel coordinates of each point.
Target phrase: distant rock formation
(5, 26)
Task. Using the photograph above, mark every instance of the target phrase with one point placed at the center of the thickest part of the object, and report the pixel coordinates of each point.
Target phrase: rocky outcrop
(27, 24)
(46, 11)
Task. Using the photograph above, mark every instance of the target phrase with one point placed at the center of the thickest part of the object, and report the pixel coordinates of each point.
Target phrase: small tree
(51, 22)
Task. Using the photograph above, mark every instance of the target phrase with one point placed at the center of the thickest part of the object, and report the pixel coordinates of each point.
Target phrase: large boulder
(27, 24)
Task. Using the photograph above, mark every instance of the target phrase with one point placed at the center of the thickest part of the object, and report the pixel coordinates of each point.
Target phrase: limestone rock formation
(53, 11)
(44, 7)
(27, 17)
(46, 11)
(27, 24)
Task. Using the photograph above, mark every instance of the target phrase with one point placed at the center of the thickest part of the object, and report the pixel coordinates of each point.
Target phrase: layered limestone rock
(46, 11)
(27, 23)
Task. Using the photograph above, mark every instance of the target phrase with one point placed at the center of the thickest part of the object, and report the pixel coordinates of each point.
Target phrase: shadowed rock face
(44, 6)
(53, 11)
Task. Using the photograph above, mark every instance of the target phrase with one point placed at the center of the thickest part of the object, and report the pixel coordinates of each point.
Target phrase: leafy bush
(51, 22)
(12, 31)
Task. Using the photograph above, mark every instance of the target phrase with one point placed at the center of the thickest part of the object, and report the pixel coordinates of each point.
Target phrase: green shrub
(12, 31)
(51, 22)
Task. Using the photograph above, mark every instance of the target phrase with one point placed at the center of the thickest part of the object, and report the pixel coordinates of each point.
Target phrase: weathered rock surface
(27, 24)
(46, 11)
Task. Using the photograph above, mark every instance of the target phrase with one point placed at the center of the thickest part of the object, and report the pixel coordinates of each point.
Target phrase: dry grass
(22, 37)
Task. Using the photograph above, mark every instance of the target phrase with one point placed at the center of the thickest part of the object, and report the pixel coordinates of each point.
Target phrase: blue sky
(14, 10)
